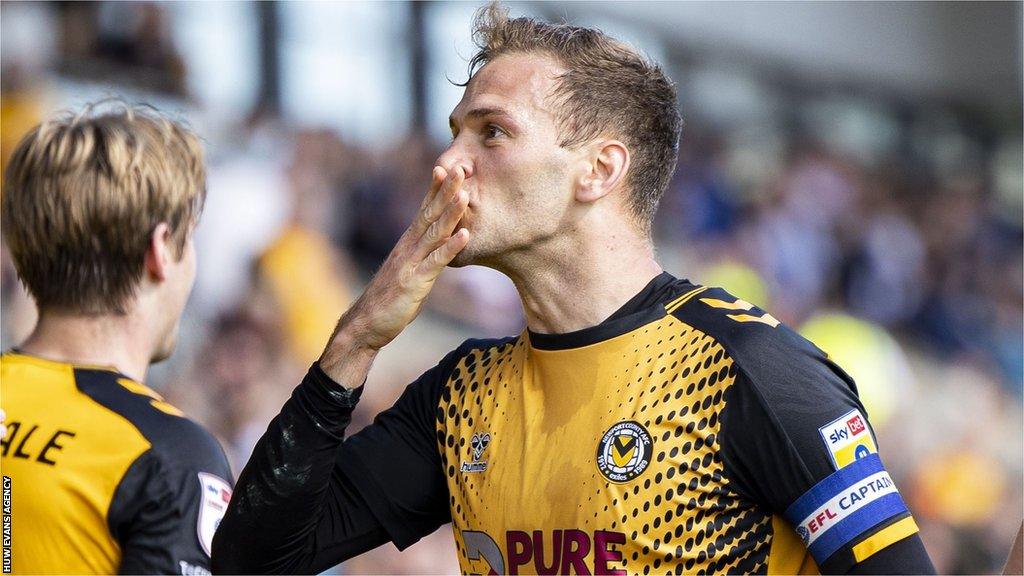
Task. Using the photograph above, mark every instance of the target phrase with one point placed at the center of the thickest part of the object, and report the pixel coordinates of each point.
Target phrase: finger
(441, 229)
(449, 189)
(443, 255)
(437, 178)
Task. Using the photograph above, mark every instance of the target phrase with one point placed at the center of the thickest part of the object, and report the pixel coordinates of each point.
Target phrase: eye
(493, 131)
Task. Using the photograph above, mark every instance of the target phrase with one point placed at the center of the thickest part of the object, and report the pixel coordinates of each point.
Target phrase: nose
(454, 157)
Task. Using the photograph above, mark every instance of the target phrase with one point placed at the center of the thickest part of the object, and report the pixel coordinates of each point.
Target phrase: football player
(98, 212)
(639, 424)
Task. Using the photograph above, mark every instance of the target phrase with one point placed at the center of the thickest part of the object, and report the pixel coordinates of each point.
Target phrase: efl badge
(624, 452)
(848, 438)
(216, 493)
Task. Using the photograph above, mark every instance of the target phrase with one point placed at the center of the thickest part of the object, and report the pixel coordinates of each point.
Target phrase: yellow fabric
(885, 537)
(788, 554)
(59, 511)
(301, 270)
(737, 305)
(139, 388)
(546, 414)
(157, 400)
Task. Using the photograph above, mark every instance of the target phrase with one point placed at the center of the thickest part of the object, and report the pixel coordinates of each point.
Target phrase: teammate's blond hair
(82, 195)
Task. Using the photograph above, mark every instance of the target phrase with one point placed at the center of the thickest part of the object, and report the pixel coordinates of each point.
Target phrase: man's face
(176, 289)
(519, 180)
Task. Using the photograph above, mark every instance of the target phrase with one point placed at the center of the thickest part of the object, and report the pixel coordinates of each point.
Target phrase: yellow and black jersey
(104, 476)
(690, 432)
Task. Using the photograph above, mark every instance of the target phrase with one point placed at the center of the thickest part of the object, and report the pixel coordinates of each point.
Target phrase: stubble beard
(481, 250)
(467, 257)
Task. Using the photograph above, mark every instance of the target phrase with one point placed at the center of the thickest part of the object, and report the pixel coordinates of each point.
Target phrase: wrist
(347, 359)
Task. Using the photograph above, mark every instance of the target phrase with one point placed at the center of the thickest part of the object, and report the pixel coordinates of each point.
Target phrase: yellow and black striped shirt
(105, 476)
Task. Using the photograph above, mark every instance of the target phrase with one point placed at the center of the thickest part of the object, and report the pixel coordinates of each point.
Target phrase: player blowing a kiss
(640, 423)
(98, 213)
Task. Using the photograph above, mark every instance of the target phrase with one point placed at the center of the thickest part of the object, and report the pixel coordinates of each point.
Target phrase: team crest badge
(624, 451)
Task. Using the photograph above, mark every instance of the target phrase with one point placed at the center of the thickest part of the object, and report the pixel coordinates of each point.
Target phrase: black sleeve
(306, 501)
(167, 505)
(796, 440)
(906, 556)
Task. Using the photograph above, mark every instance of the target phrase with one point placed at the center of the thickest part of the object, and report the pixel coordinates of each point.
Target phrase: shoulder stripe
(885, 537)
(765, 319)
(156, 401)
(737, 305)
(673, 305)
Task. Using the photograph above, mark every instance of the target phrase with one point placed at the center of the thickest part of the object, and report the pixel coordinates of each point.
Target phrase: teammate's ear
(159, 253)
(607, 171)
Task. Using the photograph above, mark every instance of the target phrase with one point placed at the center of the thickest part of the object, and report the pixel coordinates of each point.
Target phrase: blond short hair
(82, 194)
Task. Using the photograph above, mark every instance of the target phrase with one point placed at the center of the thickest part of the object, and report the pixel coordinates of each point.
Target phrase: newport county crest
(625, 451)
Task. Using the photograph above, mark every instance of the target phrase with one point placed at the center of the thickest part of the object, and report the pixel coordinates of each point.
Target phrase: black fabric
(331, 500)
(309, 499)
(395, 463)
(906, 556)
(659, 290)
(639, 310)
(275, 521)
(785, 390)
(154, 512)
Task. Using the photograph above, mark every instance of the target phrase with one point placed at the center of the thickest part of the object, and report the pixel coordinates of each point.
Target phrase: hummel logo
(478, 443)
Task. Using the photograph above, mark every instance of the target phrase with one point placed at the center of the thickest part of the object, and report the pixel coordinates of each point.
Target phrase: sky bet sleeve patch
(848, 438)
(844, 506)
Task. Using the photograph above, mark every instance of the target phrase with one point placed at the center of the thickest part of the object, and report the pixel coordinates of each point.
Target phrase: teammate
(640, 424)
(98, 211)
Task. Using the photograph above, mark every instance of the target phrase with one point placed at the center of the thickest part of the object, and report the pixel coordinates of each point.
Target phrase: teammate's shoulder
(752, 337)
(173, 437)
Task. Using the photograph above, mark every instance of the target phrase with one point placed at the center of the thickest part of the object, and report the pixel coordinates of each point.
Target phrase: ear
(159, 253)
(606, 171)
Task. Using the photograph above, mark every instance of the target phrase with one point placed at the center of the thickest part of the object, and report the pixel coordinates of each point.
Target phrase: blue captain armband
(842, 507)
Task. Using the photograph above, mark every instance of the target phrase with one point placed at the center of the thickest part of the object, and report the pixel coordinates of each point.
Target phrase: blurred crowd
(905, 265)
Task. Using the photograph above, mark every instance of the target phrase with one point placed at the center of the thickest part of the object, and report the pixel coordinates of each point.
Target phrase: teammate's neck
(94, 340)
(570, 290)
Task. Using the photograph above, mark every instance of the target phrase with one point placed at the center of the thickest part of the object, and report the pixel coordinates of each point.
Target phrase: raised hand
(396, 294)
